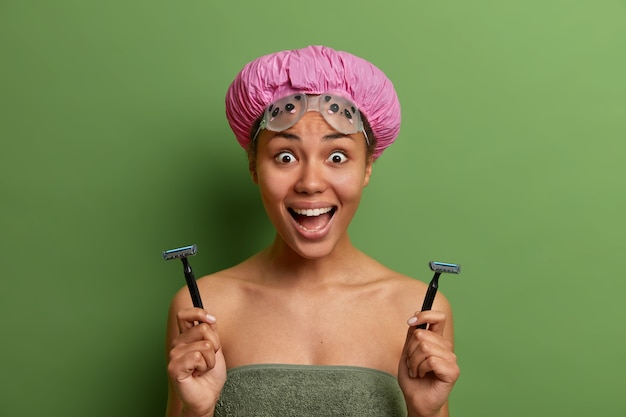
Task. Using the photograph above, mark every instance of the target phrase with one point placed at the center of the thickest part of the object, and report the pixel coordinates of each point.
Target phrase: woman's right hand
(196, 367)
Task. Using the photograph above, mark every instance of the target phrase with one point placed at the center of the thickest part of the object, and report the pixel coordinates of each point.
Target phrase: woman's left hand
(428, 368)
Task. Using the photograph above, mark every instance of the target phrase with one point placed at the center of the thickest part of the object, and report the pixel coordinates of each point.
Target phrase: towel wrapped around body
(309, 390)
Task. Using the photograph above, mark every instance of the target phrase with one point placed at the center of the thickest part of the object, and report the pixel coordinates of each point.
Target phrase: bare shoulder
(217, 290)
(409, 292)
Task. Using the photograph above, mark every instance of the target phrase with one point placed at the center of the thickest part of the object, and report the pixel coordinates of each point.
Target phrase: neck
(289, 266)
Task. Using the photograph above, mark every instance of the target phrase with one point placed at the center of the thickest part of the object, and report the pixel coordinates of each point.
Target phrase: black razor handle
(430, 296)
(191, 284)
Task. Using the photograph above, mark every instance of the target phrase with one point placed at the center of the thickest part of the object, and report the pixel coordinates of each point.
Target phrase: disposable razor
(182, 254)
(439, 268)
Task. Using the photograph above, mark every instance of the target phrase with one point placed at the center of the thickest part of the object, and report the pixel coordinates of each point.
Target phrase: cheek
(350, 185)
(272, 188)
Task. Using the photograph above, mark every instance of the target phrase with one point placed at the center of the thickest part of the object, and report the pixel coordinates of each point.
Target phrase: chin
(315, 250)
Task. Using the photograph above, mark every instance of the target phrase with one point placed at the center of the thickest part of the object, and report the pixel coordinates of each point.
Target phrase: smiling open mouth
(313, 219)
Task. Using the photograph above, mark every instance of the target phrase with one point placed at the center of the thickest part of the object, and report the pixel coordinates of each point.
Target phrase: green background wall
(114, 147)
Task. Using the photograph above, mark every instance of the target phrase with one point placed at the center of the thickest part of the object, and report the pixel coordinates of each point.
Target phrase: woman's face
(311, 178)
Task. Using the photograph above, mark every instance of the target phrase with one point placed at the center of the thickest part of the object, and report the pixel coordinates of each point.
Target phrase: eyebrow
(330, 136)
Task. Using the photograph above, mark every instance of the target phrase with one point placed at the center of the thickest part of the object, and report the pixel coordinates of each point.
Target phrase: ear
(368, 170)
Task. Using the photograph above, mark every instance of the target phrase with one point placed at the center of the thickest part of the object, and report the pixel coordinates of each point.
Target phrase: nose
(311, 178)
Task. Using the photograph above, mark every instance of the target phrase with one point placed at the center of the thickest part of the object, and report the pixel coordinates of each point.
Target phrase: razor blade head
(446, 268)
(181, 252)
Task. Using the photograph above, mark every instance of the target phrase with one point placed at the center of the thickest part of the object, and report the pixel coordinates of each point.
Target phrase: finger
(413, 322)
(202, 331)
(187, 318)
(187, 364)
(444, 369)
(427, 349)
(423, 345)
(194, 360)
(435, 320)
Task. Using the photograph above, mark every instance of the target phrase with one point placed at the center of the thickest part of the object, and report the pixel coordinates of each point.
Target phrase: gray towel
(303, 390)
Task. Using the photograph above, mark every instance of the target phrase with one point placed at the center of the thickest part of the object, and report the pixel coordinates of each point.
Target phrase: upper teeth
(312, 212)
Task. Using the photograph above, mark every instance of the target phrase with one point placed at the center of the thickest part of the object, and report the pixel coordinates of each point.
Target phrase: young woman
(310, 325)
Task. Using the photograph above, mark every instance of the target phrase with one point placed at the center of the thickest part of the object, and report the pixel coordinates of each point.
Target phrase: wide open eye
(337, 157)
(285, 158)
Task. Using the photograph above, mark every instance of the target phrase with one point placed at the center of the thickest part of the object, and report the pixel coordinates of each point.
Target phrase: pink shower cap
(313, 70)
